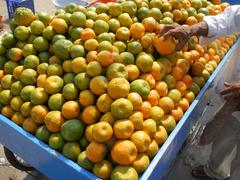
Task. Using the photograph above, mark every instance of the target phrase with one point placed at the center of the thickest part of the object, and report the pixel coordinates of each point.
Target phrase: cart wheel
(16, 161)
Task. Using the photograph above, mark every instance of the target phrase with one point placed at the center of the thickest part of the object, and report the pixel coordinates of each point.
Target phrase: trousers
(225, 148)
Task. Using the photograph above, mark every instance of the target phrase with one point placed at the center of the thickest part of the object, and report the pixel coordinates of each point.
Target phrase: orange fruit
(211, 52)
(26, 109)
(103, 169)
(16, 103)
(116, 70)
(123, 34)
(103, 16)
(181, 86)
(16, 88)
(133, 72)
(79, 65)
(191, 20)
(150, 127)
(224, 5)
(146, 41)
(86, 98)
(135, 99)
(134, 47)
(187, 79)
(188, 56)
(124, 172)
(195, 55)
(158, 70)
(5, 96)
(149, 24)
(100, 26)
(91, 56)
(115, 9)
(102, 132)
(94, 69)
(91, 44)
(89, 23)
(121, 108)
(161, 135)
(124, 152)
(96, 152)
(29, 125)
(2, 73)
(197, 68)
(41, 79)
(113, 25)
(98, 85)
(177, 73)
(170, 80)
(108, 117)
(183, 104)
(216, 58)
(53, 84)
(7, 111)
(177, 113)
(88, 132)
(18, 118)
(125, 20)
(59, 25)
(118, 88)
(137, 119)
(145, 109)
(144, 62)
(104, 103)
(153, 97)
(162, 88)
(87, 33)
(137, 30)
(167, 104)
(90, 115)
(141, 162)
(123, 129)
(164, 47)
(177, 15)
(184, 65)
(149, 78)
(156, 113)
(53, 121)
(141, 140)
(54, 60)
(105, 58)
(175, 95)
(169, 123)
(70, 110)
(199, 48)
(17, 72)
(190, 96)
(38, 113)
(186, 4)
(152, 149)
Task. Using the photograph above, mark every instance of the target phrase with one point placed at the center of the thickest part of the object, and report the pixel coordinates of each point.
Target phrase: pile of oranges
(98, 84)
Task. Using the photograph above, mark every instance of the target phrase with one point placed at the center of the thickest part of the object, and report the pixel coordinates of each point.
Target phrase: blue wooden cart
(55, 166)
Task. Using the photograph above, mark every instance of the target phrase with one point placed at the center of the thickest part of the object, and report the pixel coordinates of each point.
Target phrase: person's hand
(181, 33)
(231, 91)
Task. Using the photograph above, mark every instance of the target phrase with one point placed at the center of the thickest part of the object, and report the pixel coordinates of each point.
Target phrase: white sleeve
(222, 24)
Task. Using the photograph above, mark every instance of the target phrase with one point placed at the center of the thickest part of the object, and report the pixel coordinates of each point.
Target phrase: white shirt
(222, 24)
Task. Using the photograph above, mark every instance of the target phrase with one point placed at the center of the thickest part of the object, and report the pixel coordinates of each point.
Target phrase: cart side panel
(38, 154)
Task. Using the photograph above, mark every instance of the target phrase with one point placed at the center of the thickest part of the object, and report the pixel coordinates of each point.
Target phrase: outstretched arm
(210, 28)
